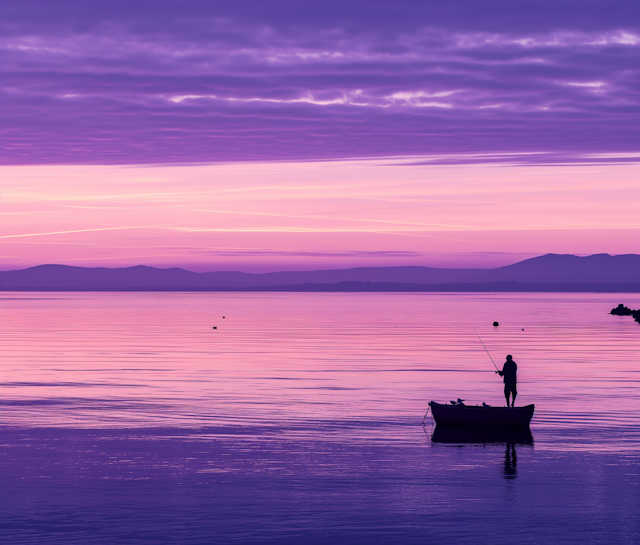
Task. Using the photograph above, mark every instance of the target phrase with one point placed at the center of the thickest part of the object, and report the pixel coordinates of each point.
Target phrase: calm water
(126, 418)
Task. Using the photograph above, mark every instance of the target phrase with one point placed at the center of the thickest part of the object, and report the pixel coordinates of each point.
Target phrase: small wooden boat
(469, 415)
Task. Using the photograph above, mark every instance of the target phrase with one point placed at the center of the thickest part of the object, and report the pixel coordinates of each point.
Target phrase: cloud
(528, 159)
(304, 253)
(594, 84)
(80, 231)
(195, 81)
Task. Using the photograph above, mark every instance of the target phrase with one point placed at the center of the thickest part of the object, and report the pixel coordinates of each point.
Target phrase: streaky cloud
(114, 82)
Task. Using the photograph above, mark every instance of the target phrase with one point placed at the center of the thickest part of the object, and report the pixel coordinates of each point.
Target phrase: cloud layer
(194, 81)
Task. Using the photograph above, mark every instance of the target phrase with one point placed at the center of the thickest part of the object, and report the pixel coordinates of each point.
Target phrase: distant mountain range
(551, 272)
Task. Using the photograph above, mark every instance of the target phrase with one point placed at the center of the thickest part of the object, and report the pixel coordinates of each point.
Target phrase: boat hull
(492, 417)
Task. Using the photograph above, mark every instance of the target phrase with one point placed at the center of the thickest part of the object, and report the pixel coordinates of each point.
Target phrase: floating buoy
(495, 324)
(223, 316)
(214, 327)
(523, 329)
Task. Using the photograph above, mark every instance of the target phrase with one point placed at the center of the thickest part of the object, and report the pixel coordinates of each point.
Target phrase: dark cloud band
(154, 82)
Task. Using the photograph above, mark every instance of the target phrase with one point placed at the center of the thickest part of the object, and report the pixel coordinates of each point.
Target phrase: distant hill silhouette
(142, 277)
(571, 269)
(550, 272)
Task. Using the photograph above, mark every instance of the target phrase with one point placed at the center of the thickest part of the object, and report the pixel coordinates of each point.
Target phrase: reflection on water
(510, 461)
(461, 434)
(125, 418)
(509, 437)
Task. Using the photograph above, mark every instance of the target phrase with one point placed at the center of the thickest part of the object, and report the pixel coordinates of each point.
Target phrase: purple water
(126, 418)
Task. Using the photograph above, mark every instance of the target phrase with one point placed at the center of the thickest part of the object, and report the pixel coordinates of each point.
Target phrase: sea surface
(215, 418)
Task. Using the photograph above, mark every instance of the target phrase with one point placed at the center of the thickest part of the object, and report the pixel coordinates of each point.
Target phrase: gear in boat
(459, 414)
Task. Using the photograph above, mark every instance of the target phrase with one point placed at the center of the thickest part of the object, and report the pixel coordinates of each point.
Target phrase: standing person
(509, 370)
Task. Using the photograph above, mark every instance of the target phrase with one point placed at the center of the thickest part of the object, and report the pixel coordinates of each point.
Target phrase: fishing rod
(485, 348)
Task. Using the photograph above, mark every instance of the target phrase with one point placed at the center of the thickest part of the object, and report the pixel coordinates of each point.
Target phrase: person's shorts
(510, 388)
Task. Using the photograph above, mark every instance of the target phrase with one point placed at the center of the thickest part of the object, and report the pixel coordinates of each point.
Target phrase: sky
(268, 135)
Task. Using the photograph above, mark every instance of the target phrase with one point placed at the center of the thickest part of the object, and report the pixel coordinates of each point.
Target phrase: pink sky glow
(258, 217)
(261, 136)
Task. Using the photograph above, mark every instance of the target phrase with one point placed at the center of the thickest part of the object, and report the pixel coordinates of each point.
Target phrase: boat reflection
(461, 434)
(453, 435)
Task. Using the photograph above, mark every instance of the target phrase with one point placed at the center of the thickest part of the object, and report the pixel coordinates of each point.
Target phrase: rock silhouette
(621, 310)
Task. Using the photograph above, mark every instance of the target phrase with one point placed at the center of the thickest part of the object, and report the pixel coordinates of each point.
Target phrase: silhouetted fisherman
(509, 370)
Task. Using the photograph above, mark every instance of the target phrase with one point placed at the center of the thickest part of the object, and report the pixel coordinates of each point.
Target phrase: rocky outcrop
(621, 310)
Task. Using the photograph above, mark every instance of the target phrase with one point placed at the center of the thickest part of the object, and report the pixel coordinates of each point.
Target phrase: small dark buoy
(495, 324)
(224, 316)
(214, 327)
(523, 329)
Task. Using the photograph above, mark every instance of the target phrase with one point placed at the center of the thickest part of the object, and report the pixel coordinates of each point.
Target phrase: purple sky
(154, 81)
(268, 135)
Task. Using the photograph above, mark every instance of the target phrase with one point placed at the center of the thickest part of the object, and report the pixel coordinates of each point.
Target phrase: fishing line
(485, 348)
